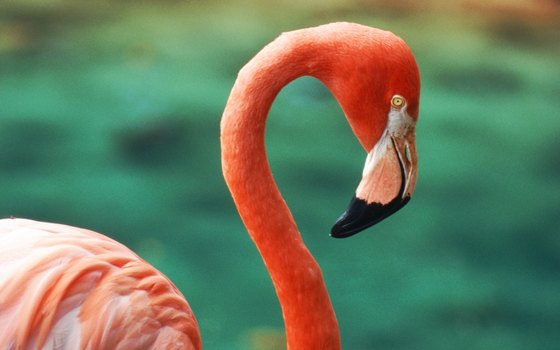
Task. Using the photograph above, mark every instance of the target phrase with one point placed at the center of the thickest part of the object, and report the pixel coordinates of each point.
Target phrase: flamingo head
(380, 97)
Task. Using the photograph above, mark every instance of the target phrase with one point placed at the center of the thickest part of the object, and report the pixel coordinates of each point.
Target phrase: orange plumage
(63, 287)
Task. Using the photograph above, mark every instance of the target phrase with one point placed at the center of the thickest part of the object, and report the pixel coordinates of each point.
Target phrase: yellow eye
(398, 101)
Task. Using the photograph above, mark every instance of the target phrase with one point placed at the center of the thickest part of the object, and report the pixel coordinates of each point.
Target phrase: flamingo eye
(397, 101)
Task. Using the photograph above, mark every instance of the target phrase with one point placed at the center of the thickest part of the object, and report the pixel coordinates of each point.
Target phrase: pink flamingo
(63, 287)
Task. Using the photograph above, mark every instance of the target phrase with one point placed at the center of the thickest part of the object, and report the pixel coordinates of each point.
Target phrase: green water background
(109, 120)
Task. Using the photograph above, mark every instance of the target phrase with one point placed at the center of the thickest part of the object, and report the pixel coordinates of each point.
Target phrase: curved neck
(306, 307)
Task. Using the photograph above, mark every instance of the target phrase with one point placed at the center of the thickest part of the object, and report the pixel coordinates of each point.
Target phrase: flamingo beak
(388, 179)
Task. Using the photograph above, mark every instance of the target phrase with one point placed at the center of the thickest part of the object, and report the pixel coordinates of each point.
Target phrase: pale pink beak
(388, 179)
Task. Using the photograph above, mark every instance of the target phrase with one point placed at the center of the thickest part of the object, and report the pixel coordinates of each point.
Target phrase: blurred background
(109, 120)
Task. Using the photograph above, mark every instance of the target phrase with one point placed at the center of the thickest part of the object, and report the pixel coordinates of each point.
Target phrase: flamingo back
(63, 287)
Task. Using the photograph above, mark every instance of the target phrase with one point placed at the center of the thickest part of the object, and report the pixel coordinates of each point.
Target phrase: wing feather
(63, 287)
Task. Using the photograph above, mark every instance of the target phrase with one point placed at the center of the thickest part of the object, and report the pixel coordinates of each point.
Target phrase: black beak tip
(361, 215)
(339, 231)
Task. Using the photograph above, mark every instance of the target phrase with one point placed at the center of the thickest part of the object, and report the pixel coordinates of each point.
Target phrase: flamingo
(63, 287)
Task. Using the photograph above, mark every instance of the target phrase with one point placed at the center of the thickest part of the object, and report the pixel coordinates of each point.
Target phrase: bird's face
(390, 170)
(376, 81)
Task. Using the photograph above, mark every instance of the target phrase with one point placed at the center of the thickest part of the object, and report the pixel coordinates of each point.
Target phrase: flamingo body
(63, 287)
(69, 288)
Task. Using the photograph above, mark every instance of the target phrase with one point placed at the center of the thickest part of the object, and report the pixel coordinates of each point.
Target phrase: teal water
(109, 116)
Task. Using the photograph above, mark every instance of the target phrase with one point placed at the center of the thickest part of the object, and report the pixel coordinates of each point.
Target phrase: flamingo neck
(309, 318)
